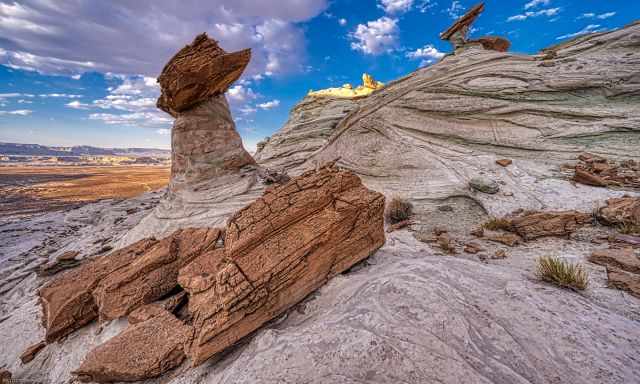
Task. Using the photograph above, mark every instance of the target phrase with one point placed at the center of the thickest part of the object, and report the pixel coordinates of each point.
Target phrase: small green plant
(562, 273)
(495, 224)
(398, 209)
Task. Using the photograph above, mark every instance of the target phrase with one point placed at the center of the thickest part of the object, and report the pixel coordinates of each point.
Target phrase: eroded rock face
(144, 350)
(197, 72)
(624, 259)
(621, 211)
(531, 225)
(153, 274)
(494, 43)
(67, 301)
(624, 281)
(278, 250)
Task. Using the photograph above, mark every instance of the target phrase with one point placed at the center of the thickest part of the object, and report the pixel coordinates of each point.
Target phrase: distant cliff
(15, 149)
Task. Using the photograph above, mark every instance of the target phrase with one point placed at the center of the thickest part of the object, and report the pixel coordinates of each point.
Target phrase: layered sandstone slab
(197, 72)
(278, 250)
(144, 350)
(152, 275)
(67, 301)
(531, 225)
(624, 211)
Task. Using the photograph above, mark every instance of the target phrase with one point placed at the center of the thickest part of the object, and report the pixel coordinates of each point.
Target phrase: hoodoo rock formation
(212, 175)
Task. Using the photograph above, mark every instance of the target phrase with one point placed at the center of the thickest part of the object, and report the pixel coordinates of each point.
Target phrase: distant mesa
(369, 84)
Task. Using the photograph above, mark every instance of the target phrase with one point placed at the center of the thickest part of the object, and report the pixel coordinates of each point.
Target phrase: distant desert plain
(28, 189)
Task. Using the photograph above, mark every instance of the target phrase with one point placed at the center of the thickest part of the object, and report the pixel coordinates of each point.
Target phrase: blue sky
(83, 72)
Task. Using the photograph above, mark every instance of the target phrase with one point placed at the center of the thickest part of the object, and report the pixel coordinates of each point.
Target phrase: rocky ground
(438, 302)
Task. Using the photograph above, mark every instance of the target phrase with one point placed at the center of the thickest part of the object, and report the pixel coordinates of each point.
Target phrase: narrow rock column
(212, 175)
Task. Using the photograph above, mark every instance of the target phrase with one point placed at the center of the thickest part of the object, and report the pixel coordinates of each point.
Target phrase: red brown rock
(65, 261)
(500, 254)
(509, 239)
(278, 250)
(153, 274)
(148, 311)
(472, 247)
(624, 281)
(457, 33)
(144, 350)
(504, 162)
(398, 225)
(446, 243)
(31, 352)
(67, 302)
(623, 259)
(494, 43)
(621, 211)
(198, 72)
(5, 376)
(583, 177)
(531, 225)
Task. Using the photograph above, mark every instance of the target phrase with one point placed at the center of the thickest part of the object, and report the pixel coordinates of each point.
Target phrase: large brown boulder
(621, 211)
(153, 274)
(67, 301)
(531, 225)
(278, 250)
(623, 280)
(146, 349)
(197, 72)
(624, 259)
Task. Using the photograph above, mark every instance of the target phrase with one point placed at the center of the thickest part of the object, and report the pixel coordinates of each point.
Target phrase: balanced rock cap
(197, 72)
(463, 22)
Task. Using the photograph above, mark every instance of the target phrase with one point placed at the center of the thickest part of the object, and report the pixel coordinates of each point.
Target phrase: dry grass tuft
(496, 224)
(629, 229)
(398, 209)
(562, 273)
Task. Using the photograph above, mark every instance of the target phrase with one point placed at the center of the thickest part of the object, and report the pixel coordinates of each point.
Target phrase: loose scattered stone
(478, 232)
(500, 254)
(621, 211)
(531, 225)
(509, 239)
(445, 208)
(398, 225)
(31, 352)
(65, 261)
(504, 162)
(600, 172)
(484, 185)
(472, 247)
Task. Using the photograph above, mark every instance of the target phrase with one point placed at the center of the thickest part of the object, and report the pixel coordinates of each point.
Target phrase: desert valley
(476, 220)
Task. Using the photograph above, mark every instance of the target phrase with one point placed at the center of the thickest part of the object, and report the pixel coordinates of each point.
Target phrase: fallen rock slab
(144, 350)
(623, 259)
(65, 261)
(624, 211)
(67, 302)
(531, 225)
(277, 251)
(152, 275)
(510, 239)
(625, 281)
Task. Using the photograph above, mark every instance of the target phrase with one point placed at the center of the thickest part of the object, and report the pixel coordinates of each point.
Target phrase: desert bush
(495, 224)
(629, 229)
(562, 273)
(398, 209)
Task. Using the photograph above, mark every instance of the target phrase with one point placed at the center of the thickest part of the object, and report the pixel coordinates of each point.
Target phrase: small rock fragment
(446, 243)
(472, 247)
(583, 177)
(531, 225)
(500, 254)
(624, 281)
(504, 162)
(484, 185)
(31, 352)
(5, 376)
(621, 211)
(398, 225)
(624, 259)
(510, 239)
(445, 208)
(478, 232)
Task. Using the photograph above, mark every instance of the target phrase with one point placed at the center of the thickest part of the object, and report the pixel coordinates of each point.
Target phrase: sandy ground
(32, 189)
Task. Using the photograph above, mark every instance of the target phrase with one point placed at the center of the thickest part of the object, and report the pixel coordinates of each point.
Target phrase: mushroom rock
(212, 175)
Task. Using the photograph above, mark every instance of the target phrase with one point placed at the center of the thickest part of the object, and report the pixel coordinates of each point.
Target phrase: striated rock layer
(277, 251)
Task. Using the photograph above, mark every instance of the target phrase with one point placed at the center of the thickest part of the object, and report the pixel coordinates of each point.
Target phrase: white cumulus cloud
(269, 104)
(535, 3)
(543, 12)
(376, 36)
(395, 6)
(428, 54)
